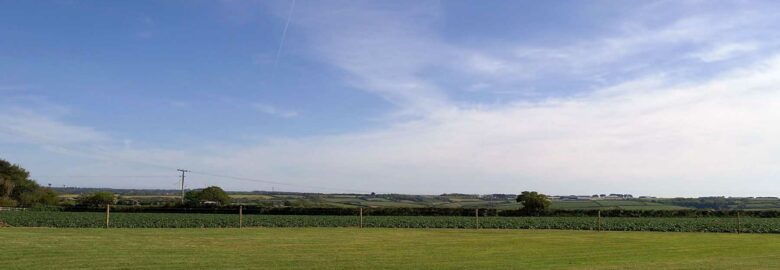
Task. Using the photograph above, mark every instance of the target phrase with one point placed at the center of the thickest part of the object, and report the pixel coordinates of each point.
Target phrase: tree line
(18, 190)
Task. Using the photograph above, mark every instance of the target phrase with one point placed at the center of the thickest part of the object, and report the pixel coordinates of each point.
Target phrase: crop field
(605, 204)
(176, 220)
(380, 248)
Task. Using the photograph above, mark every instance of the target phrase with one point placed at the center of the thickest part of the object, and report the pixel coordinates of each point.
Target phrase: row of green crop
(168, 220)
(400, 211)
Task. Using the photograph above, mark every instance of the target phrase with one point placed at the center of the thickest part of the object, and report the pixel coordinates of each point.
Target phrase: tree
(533, 202)
(97, 199)
(16, 187)
(192, 197)
(212, 193)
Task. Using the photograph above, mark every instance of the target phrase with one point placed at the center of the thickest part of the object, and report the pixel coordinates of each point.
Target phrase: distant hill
(450, 200)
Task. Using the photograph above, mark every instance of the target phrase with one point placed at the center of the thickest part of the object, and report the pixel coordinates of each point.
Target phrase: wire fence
(364, 219)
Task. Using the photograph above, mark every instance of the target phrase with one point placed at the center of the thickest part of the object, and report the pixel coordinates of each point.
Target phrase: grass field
(352, 248)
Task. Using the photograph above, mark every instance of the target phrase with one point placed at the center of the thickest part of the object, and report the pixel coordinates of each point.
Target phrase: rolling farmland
(488, 201)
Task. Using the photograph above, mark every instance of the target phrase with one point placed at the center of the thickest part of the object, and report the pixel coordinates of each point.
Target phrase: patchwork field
(416, 201)
(379, 248)
(606, 204)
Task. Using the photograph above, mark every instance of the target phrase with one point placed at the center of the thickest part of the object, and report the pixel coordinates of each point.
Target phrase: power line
(103, 176)
(111, 157)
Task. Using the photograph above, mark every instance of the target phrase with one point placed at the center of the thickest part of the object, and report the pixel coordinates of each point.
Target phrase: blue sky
(667, 98)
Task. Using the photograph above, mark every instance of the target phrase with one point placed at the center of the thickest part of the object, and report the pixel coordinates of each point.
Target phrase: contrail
(284, 34)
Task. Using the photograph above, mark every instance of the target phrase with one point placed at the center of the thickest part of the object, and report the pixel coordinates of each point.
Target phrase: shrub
(209, 194)
(533, 202)
(96, 199)
(7, 202)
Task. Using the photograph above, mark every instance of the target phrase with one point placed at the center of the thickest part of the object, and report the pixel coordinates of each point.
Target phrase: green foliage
(7, 202)
(16, 188)
(192, 197)
(533, 202)
(97, 199)
(209, 194)
(40, 196)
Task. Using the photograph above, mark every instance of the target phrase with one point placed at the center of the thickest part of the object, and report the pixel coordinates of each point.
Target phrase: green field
(353, 248)
(608, 204)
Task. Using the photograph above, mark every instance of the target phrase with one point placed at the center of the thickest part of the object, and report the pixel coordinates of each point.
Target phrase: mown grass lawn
(374, 248)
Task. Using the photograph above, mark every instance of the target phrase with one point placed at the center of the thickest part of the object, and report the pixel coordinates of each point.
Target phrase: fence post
(598, 221)
(361, 217)
(108, 214)
(739, 223)
(240, 216)
(476, 215)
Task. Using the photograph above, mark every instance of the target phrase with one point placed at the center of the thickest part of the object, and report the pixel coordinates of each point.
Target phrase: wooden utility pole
(182, 184)
(240, 216)
(361, 217)
(108, 214)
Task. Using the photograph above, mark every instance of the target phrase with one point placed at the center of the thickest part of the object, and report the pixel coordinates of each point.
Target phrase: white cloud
(725, 51)
(666, 139)
(646, 133)
(645, 137)
(648, 137)
(397, 54)
(381, 51)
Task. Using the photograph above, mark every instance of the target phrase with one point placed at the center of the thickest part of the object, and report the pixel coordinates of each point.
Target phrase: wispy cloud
(382, 51)
(397, 54)
(653, 138)
(668, 107)
(26, 126)
(708, 136)
(650, 136)
(725, 51)
(274, 111)
(635, 47)
(284, 34)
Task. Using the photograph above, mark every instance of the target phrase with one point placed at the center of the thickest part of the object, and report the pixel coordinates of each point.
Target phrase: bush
(96, 199)
(533, 202)
(7, 202)
(209, 194)
(41, 196)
